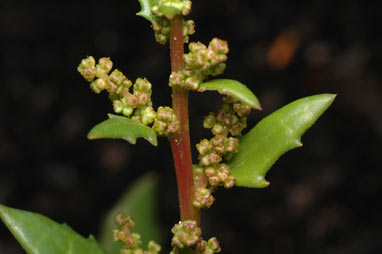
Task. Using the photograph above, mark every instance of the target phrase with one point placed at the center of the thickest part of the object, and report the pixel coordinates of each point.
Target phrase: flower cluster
(165, 7)
(212, 171)
(188, 235)
(212, 151)
(210, 247)
(130, 239)
(161, 21)
(231, 118)
(136, 104)
(201, 62)
(166, 121)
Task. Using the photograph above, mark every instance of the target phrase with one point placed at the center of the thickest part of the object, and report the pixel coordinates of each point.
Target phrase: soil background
(324, 198)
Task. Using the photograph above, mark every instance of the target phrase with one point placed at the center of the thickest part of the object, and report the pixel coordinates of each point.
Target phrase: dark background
(324, 198)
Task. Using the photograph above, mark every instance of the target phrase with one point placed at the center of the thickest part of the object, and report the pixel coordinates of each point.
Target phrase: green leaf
(273, 136)
(145, 11)
(38, 234)
(232, 88)
(124, 128)
(139, 201)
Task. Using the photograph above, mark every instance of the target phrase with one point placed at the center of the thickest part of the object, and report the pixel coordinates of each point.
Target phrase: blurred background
(323, 198)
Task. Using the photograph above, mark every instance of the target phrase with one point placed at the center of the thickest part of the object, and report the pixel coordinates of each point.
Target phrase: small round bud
(209, 121)
(106, 64)
(219, 46)
(88, 62)
(153, 247)
(192, 83)
(203, 198)
(127, 83)
(214, 158)
(218, 129)
(230, 182)
(214, 245)
(142, 85)
(94, 87)
(117, 77)
(127, 111)
(100, 84)
(196, 46)
(148, 115)
(204, 147)
(118, 106)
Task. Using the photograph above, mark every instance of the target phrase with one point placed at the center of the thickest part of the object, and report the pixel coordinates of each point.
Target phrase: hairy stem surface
(180, 142)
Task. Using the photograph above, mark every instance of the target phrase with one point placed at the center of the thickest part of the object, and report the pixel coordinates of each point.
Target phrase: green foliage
(145, 11)
(232, 88)
(273, 136)
(123, 128)
(39, 235)
(138, 202)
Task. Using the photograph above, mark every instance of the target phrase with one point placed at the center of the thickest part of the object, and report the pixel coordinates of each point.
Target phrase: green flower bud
(166, 114)
(219, 46)
(154, 247)
(176, 79)
(138, 251)
(127, 83)
(196, 46)
(192, 83)
(127, 111)
(100, 84)
(214, 245)
(214, 158)
(88, 62)
(218, 129)
(232, 144)
(142, 85)
(105, 64)
(218, 69)
(204, 147)
(186, 233)
(230, 182)
(118, 106)
(209, 121)
(160, 127)
(203, 198)
(148, 115)
(89, 73)
(117, 77)
(173, 127)
(161, 39)
(94, 87)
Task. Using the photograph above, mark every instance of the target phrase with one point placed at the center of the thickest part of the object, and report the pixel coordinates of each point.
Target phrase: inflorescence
(211, 171)
(136, 104)
(161, 21)
(188, 235)
(131, 240)
(199, 63)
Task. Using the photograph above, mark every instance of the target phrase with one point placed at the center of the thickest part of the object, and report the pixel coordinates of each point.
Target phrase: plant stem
(180, 142)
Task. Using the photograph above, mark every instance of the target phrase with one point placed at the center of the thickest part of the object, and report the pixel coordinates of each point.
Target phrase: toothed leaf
(38, 234)
(123, 128)
(232, 88)
(145, 11)
(273, 136)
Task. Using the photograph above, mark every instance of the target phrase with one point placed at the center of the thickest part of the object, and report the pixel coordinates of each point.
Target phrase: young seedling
(227, 158)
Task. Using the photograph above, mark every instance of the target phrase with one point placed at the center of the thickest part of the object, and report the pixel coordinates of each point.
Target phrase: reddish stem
(180, 142)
